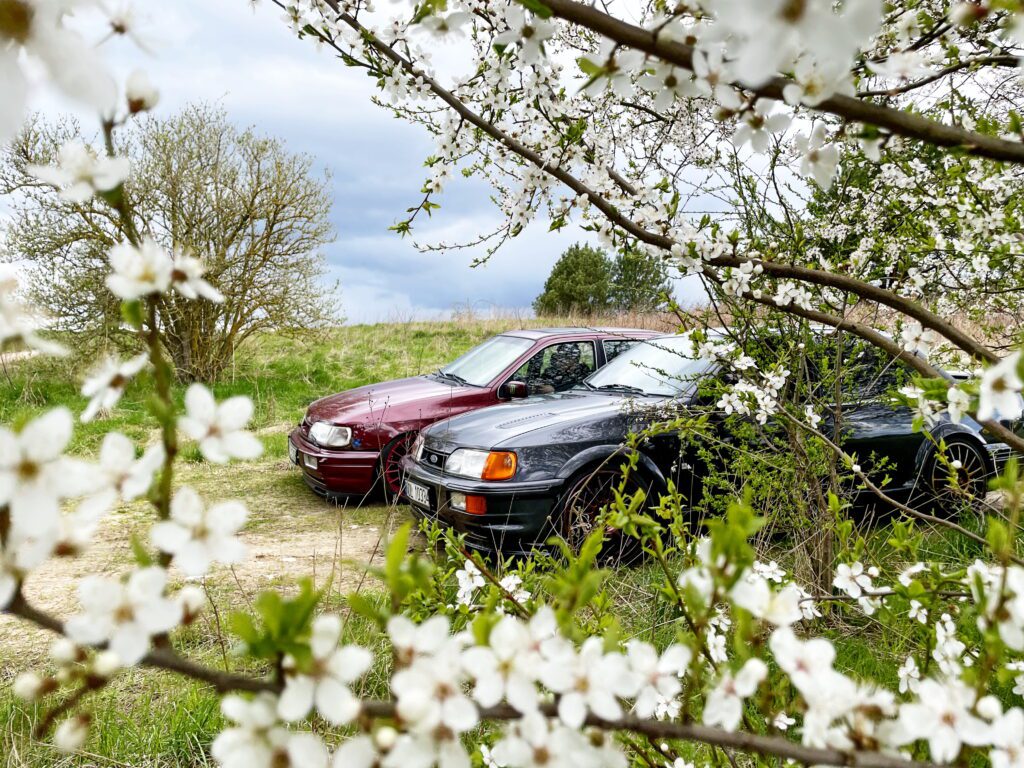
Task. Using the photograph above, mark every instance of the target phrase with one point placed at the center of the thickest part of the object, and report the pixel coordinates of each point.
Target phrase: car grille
(433, 459)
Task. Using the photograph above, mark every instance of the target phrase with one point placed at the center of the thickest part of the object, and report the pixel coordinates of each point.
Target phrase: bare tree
(253, 211)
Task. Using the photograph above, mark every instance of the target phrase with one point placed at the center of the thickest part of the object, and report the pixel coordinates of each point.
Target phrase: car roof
(544, 333)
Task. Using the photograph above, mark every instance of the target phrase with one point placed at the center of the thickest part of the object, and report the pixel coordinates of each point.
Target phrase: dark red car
(351, 442)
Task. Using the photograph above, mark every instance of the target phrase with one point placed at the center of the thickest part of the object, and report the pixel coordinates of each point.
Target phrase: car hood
(374, 401)
(565, 416)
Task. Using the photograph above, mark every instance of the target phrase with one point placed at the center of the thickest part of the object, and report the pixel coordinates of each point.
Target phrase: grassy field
(160, 720)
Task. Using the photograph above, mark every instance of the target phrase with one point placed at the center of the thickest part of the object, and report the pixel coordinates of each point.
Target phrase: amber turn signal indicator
(500, 465)
(476, 505)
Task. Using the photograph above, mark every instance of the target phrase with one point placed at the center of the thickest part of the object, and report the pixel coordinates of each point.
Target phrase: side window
(557, 368)
(615, 347)
(873, 374)
(865, 372)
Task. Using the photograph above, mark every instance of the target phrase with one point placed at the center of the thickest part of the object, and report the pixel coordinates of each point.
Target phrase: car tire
(390, 469)
(578, 509)
(972, 474)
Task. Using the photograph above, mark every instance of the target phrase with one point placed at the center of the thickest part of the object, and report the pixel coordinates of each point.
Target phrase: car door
(874, 428)
(557, 367)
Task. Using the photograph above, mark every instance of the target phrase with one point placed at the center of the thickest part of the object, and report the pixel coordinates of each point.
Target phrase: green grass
(147, 718)
(281, 374)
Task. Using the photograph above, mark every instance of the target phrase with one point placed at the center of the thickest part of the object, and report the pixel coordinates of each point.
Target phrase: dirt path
(291, 533)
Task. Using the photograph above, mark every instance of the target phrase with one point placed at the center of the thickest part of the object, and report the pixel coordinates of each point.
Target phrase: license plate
(417, 493)
(293, 453)
(309, 461)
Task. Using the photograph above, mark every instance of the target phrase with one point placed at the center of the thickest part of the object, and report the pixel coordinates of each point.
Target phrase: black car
(511, 476)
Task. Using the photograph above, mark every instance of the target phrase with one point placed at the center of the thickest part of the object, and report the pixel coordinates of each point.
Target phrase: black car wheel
(962, 476)
(391, 473)
(581, 508)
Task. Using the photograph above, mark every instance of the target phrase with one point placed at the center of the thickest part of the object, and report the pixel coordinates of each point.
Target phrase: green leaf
(140, 553)
(131, 312)
(997, 536)
(588, 67)
(537, 7)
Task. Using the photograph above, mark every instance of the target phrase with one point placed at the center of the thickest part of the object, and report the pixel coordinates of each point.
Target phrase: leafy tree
(580, 281)
(639, 282)
(250, 209)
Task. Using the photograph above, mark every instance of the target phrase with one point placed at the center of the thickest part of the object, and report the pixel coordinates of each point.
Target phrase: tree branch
(847, 107)
(165, 658)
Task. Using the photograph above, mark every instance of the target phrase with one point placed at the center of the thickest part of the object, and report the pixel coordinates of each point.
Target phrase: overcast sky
(249, 62)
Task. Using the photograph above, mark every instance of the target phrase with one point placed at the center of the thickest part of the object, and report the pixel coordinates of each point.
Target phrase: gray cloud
(249, 62)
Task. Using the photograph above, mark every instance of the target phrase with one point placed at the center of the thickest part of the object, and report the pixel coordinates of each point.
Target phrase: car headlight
(417, 447)
(481, 465)
(330, 435)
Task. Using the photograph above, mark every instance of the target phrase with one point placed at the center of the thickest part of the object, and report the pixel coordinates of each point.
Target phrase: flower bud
(28, 686)
(140, 93)
(989, 707)
(63, 651)
(71, 734)
(106, 664)
(385, 738)
(192, 600)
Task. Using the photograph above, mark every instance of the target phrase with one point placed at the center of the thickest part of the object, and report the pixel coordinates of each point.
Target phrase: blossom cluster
(445, 682)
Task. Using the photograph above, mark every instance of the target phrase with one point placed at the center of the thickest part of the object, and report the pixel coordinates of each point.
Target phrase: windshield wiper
(450, 376)
(621, 388)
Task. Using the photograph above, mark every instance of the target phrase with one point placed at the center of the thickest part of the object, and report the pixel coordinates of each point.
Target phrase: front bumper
(999, 453)
(333, 473)
(518, 517)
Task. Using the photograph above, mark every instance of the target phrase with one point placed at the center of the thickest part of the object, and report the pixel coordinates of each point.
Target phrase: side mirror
(512, 390)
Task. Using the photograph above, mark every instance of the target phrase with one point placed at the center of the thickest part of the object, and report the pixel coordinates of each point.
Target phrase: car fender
(944, 431)
(600, 453)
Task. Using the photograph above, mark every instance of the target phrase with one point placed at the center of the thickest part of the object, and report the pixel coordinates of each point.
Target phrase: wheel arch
(601, 454)
(949, 432)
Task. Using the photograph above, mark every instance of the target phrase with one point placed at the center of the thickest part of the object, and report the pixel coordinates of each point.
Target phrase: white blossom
(219, 428)
(106, 385)
(507, 667)
(724, 706)
(958, 404)
(659, 676)
(139, 272)
(758, 124)
(470, 580)
(125, 614)
(34, 31)
(71, 734)
(999, 395)
(781, 608)
(18, 325)
(80, 172)
(35, 475)
(917, 339)
(528, 31)
(589, 681)
(198, 536)
(942, 716)
(909, 675)
(326, 684)
(819, 159)
(258, 740)
(187, 279)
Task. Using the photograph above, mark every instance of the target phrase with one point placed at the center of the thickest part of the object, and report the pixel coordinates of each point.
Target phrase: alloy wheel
(963, 473)
(391, 465)
(583, 505)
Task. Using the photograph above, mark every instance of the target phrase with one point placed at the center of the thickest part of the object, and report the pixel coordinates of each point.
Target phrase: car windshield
(666, 367)
(483, 363)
